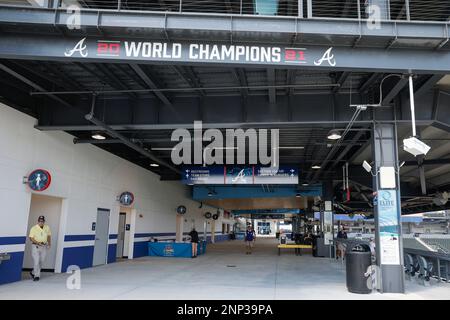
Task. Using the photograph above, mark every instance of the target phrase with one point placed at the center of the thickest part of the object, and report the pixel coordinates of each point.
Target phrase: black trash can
(358, 259)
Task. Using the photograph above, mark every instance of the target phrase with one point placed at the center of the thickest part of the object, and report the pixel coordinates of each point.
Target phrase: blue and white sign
(239, 175)
(126, 198)
(388, 221)
(39, 180)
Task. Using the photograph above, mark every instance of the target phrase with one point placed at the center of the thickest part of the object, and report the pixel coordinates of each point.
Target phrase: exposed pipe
(181, 89)
(411, 102)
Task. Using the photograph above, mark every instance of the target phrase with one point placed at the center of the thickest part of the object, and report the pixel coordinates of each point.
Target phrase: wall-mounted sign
(39, 180)
(126, 198)
(127, 227)
(93, 226)
(181, 210)
(388, 221)
(240, 175)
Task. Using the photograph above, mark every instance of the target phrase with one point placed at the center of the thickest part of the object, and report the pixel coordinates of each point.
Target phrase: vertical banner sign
(328, 226)
(388, 220)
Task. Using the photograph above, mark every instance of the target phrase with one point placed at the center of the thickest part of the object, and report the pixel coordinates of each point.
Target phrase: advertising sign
(388, 220)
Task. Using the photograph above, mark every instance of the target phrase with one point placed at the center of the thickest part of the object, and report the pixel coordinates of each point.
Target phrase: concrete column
(326, 217)
(180, 228)
(213, 231)
(388, 233)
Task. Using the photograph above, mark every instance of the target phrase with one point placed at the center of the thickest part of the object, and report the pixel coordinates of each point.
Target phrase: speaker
(215, 216)
(181, 210)
(208, 215)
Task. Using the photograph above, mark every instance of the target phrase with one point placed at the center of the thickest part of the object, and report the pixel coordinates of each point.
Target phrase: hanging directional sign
(234, 175)
(126, 198)
(39, 180)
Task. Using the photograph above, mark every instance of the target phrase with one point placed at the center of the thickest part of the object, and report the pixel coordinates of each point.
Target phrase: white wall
(87, 177)
(49, 207)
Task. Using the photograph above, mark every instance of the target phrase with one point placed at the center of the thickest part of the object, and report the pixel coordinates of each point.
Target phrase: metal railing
(409, 10)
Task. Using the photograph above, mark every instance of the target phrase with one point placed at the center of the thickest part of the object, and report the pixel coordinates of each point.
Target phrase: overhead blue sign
(240, 175)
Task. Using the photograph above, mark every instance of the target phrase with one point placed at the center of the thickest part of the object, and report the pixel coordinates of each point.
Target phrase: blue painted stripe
(165, 234)
(12, 240)
(143, 235)
(113, 236)
(79, 237)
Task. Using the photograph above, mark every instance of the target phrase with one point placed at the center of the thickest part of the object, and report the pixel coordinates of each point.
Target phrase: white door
(121, 235)
(101, 237)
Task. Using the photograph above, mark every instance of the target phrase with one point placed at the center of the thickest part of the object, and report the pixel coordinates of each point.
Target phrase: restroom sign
(126, 198)
(39, 180)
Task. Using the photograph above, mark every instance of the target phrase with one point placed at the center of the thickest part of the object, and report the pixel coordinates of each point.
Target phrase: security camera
(415, 146)
(367, 166)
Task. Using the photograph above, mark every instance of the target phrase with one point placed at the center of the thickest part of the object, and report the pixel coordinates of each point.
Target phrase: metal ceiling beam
(190, 81)
(344, 152)
(271, 84)
(369, 82)
(42, 75)
(172, 21)
(256, 125)
(55, 48)
(72, 82)
(239, 75)
(394, 91)
(150, 83)
(32, 84)
(290, 79)
(427, 85)
(118, 84)
(342, 77)
(130, 144)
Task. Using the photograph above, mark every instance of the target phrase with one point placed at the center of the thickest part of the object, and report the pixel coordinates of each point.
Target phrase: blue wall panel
(79, 256)
(11, 270)
(112, 248)
(140, 249)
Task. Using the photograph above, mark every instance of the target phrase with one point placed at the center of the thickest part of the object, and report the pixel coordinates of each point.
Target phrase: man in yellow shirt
(40, 236)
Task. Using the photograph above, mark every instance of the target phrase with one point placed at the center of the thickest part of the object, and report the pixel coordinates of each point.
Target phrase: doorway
(121, 235)
(101, 237)
(125, 233)
(50, 208)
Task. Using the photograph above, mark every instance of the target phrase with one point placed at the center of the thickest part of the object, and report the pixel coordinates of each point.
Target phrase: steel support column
(388, 235)
(326, 217)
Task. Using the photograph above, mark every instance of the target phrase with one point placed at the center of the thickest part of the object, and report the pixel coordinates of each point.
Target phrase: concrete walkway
(225, 273)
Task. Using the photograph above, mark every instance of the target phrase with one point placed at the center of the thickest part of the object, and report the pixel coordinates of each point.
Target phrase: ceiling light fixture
(334, 135)
(154, 165)
(315, 167)
(98, 136)
(305, 184)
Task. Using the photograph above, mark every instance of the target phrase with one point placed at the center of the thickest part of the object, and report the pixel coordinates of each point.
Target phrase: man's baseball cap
(41, 218)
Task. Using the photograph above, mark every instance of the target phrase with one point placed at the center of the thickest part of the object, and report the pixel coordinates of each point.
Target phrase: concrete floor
(261, 275)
